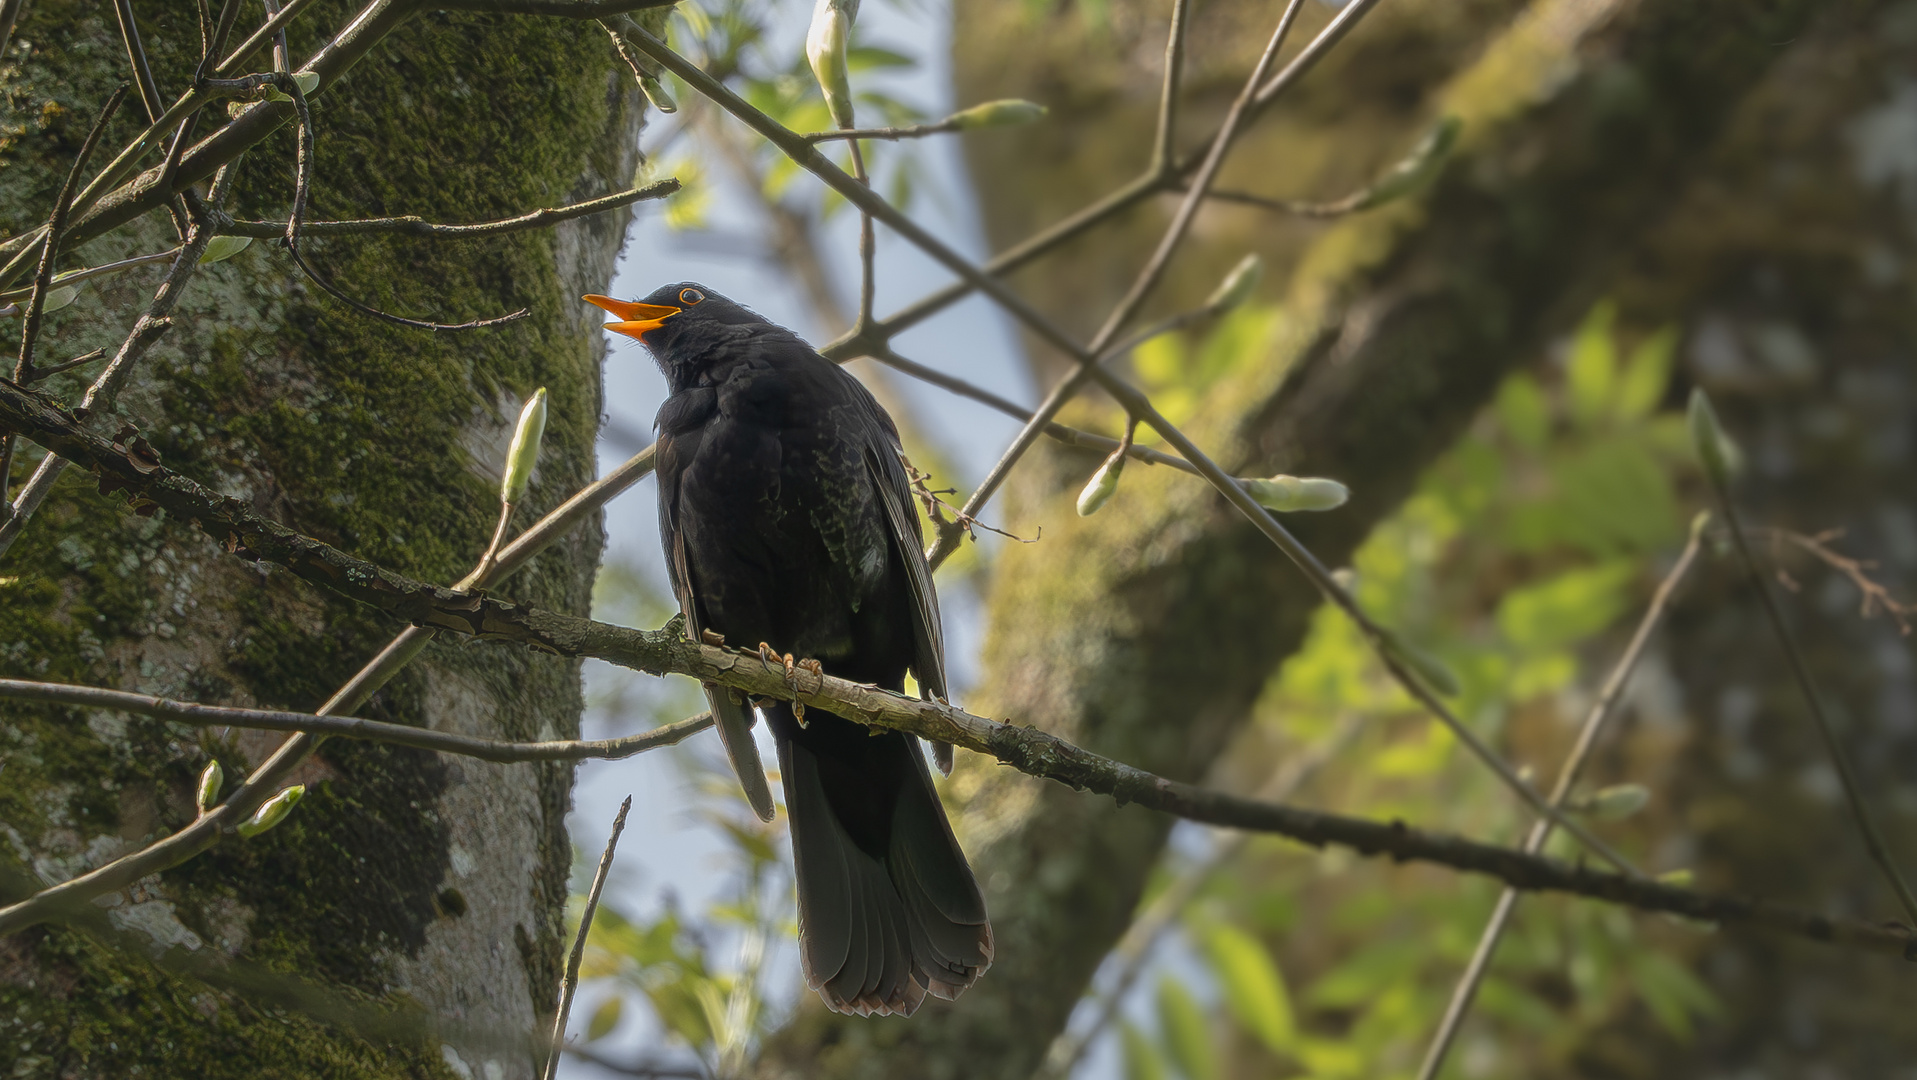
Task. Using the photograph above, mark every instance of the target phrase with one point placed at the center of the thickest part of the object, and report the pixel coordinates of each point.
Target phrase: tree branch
(350, 727)
(1029, 750)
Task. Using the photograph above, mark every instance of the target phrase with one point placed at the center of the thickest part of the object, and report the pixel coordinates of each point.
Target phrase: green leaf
(1525, 412)
(605, 1018)
(1673, 994)
(58, 298)
(222, 248)
(1254, 990)
(1142, 1059)
(1646, 375)
(1591, 374)
(1566, 609)
(1187, 1035)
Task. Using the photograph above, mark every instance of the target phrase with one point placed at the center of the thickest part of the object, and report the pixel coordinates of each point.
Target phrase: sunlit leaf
(1142, 1059)
(1524, 411)
(1187, 1033)
(605, 1018)
(1567, 608)
(1646, 375)
(1591, 374)
(1254, 990)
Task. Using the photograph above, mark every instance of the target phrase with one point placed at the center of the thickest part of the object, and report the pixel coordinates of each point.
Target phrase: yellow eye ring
(689, 297)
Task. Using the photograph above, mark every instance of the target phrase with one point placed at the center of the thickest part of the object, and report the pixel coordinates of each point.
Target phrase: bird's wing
(732, 718)
(895, 493)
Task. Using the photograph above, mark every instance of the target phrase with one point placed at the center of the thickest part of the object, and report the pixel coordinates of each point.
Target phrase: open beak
(634, 318)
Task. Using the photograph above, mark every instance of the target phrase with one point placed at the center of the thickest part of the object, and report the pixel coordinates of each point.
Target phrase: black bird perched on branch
(789, 525)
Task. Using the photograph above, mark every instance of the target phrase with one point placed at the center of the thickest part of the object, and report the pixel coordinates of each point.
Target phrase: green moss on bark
(377, 438)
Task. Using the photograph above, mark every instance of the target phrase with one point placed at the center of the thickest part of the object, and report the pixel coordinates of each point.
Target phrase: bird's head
(682, 324)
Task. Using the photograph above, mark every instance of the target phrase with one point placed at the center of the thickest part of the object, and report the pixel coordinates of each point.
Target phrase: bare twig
(347, 727)
(274, 29)
(571, 984)
(1165, 141)
(1840, 758)
(75, 276)
(1594, 721)
(908, 131)
(136, 56)
(1874, 596)
(9, 15)
(50, 250)
(79, 361)
(562, 9)
(417, 226)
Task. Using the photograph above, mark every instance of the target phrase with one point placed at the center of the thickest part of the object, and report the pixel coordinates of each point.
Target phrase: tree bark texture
(1147, 632)
(408, 918)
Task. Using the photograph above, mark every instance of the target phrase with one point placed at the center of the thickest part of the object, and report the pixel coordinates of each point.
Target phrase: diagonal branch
(667, 650)
(1594, 721)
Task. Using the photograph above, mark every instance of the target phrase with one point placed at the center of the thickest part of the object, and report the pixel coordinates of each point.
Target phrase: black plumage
(788, 519)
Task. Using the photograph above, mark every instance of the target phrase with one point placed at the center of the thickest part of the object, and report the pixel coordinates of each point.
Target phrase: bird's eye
(689, 297)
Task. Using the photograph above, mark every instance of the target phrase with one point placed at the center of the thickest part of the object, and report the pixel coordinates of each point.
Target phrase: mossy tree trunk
(407, 920)
(1146, 633)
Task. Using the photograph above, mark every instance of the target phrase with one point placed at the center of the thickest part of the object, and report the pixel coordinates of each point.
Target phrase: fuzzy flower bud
(273, 811)
(1237, 286)
(825, 45)
(1101, 486)
(1715, 449)
(1292, 493)
(209, 790)
(1617, 802)
(524, 453)
(1006, 112)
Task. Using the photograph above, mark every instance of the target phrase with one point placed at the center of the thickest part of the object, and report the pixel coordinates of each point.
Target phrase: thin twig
(136, 56)
(908, 131)
(1840, 758)
(1594, 721)
(503, 751)
(9, 15)
(273, 29)
(1874, 596)
(50, 251)
(72, 277)
(79, 361)
(1165, 141)
(417, 226)
(571, 984)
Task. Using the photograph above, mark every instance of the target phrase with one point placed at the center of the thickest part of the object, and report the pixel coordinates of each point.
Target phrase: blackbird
(789, 526)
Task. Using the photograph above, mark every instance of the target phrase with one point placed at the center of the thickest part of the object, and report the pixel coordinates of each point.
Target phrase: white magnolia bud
(209, 789)
(273, 811)
(825, 45)
(1715, 449)
(1617, 802)
(524, 453)
(1237, 286)
(1103, 483)
(1005, 112)
(1292, 493)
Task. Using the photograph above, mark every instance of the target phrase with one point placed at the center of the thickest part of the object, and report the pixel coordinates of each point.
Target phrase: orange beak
(634, 319)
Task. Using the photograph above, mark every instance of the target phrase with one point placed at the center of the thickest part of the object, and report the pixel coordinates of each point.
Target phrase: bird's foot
(767, 654)
(712, 637)
(798, 712)
(815, 668)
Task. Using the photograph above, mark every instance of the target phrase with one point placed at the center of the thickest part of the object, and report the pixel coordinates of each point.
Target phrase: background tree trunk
(1146, 633)
(403, 880)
